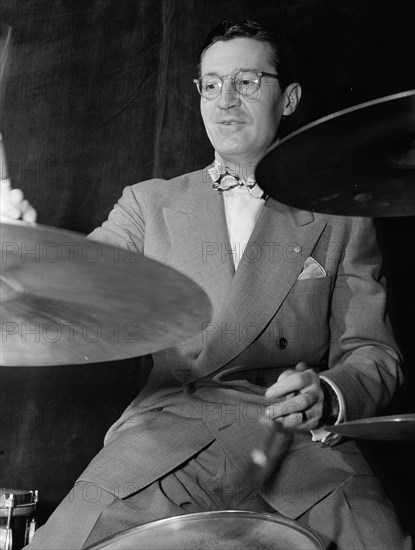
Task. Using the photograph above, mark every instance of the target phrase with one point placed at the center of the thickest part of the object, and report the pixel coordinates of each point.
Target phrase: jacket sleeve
(364, 360)
(125, 225)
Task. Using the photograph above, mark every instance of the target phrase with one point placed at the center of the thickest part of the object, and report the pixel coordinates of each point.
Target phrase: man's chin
(230, 149)
(235, 154)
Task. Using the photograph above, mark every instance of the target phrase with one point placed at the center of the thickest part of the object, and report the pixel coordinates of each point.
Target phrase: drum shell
(222, 530)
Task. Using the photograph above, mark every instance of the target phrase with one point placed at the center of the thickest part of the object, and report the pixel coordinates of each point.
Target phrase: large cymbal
(384, 428)
(359, 161)
(69, 300)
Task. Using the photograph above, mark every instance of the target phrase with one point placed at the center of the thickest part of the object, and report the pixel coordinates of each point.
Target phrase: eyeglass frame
(259, 74)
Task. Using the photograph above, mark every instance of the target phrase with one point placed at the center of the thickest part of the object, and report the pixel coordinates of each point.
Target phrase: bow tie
(224, 180)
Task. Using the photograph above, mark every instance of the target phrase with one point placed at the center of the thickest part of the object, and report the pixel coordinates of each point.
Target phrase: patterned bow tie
(224, 180)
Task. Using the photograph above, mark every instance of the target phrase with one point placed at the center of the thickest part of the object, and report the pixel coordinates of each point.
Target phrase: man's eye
(210, 87)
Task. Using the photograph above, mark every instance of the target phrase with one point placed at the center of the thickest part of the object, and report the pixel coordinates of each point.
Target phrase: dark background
(99, 95)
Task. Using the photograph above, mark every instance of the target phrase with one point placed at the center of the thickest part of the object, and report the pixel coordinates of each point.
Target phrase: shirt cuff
(320, 434)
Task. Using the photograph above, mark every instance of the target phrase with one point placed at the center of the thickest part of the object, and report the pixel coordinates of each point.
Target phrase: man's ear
(292, 98)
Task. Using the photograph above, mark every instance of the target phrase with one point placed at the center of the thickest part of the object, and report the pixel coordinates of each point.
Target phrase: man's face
(242, 128)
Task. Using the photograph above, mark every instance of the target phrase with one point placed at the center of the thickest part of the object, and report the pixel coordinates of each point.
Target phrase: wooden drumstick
(269, 459)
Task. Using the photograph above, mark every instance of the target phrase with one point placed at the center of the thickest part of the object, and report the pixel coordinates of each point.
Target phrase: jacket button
(191, 388)
(261, 382)
(282, 343)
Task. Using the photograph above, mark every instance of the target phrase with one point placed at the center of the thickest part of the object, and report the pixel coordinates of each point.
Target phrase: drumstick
(268, 460)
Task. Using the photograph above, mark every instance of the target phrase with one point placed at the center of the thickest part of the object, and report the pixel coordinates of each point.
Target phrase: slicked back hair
(282, 57)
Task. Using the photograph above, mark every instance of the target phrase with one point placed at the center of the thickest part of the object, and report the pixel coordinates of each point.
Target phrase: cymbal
(69, 300)
(356, 162)
(384, 428)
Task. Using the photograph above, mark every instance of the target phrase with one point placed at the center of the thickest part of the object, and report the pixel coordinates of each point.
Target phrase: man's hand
(296, 399)
(13, 205)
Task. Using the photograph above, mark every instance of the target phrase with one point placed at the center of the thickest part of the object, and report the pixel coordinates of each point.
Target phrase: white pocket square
(312, 270)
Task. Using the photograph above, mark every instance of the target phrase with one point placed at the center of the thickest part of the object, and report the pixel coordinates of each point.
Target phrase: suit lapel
(282, 240)
(199, 238)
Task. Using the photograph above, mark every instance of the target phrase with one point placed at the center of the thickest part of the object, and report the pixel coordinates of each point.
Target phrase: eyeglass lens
(245, 82)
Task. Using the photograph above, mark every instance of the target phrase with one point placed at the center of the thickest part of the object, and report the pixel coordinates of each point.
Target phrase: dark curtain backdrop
(98, 95)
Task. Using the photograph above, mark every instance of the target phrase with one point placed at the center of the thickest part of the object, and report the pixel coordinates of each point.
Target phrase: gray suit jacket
(264, 320)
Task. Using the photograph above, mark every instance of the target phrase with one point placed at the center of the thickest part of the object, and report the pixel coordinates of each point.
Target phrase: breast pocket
(309, 299)
(315, 285)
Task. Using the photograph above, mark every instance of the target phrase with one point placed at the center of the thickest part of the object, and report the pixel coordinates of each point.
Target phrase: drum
(17, 518)
(223, 530)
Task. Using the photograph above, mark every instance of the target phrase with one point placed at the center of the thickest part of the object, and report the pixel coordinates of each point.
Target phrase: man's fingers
(14, 206)
(304, 419)
(294, 405)
(29, 214)
(295, 399)
(285, 374)
(301, 367)
(15, 196)
(5, 185)
(293, 383)
(10, 212)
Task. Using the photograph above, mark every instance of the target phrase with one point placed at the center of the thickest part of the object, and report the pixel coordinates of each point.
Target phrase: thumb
(285, 374)
(301, 367)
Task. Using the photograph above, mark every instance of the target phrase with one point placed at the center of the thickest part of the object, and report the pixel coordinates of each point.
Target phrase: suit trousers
(357, 515)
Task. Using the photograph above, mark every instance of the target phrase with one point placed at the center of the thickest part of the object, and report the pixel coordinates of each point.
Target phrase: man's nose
(229, 97)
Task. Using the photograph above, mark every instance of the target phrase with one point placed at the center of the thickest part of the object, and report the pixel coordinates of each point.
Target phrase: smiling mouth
(230, 122)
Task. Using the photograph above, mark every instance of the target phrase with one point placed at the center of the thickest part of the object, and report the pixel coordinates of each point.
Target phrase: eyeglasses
(245, 82)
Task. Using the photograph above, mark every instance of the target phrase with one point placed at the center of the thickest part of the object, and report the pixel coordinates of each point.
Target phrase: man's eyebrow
(235, 70)
(247, 69)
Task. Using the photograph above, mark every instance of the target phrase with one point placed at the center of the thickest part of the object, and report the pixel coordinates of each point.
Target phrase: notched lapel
(199, 239)
(282, 240)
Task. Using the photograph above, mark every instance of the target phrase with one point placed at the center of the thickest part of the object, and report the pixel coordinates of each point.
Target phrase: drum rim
(20, 510)
(22, 497)
(273, 517)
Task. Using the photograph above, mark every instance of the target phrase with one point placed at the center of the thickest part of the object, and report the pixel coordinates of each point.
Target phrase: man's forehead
(227, 57)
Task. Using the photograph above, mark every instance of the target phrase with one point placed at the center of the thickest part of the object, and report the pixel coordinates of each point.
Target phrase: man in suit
(299, 335)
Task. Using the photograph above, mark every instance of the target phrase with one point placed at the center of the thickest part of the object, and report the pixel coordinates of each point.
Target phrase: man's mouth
(230, 122)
